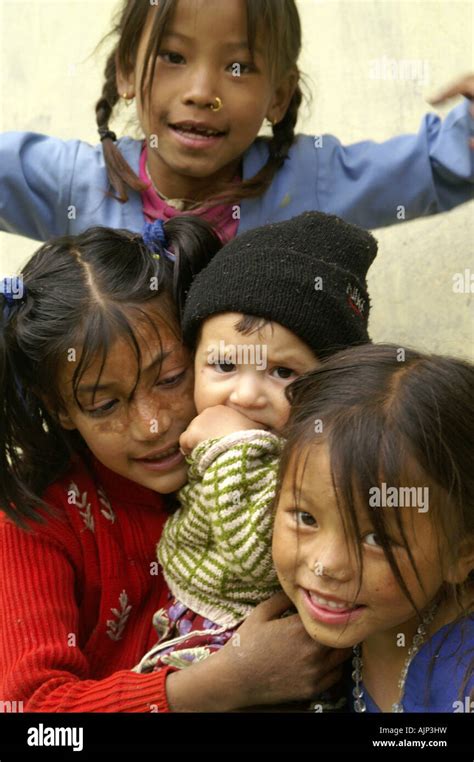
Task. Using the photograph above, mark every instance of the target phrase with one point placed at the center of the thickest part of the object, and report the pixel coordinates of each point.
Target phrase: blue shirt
(51, 187)
(450, 651)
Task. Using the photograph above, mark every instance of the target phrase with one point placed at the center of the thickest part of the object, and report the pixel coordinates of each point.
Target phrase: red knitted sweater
(77, 596)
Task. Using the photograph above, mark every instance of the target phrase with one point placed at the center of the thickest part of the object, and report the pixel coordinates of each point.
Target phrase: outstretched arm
(35, 184)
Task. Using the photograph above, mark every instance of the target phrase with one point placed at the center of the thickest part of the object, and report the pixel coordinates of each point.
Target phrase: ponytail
(194, 243)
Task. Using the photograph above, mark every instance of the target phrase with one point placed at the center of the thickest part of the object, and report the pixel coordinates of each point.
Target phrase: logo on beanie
(355, 300)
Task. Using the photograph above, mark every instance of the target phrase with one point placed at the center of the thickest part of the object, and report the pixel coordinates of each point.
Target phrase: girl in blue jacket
(205, 75)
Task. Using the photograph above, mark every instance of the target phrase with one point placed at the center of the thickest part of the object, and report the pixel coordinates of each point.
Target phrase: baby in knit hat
(269, 307)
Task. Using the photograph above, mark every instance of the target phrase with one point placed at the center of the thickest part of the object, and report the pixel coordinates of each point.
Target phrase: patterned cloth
(216, 549)
(184, 637)
(222, 217)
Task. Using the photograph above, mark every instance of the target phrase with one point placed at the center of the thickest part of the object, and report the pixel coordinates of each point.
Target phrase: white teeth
(329, 604)
(204, 133)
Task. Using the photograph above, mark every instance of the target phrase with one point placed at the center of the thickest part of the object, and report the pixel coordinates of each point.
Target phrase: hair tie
(155, 239)
(105, 133)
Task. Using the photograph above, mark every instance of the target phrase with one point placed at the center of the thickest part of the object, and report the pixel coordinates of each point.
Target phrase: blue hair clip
(154, 238)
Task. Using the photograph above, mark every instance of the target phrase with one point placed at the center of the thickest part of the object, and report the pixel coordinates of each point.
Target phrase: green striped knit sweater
(216, 549)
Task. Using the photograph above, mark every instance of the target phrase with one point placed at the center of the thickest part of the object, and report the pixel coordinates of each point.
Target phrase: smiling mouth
(161, 455)
(319, 600)
(195, 131)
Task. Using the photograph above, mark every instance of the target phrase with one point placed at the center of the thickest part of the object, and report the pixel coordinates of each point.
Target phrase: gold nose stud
(217, 105)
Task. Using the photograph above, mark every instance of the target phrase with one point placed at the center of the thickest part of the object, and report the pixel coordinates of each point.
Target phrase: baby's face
(249, 373)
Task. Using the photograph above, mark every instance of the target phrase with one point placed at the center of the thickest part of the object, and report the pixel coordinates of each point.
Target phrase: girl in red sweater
(96, 389)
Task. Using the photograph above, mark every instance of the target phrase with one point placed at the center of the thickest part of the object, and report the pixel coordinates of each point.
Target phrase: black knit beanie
(308, 274)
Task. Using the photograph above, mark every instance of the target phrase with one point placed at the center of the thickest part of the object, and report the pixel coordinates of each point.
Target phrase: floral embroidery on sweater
(115, 628)
(80, 501)
(107, 510)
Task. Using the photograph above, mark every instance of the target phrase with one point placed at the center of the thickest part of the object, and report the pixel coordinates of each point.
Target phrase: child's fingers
(184, 443)
(463, 86)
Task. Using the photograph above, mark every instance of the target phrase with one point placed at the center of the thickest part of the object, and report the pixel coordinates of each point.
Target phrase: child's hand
(213, 422)
(463, 86)
(269, 660)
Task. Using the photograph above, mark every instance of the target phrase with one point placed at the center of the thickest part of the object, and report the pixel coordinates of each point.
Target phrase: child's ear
(282, 97)
(464, 564)
(125, 82)
(60, 416)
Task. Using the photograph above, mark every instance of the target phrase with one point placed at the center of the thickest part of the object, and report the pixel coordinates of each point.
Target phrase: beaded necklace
(418, 640)
(180, 204)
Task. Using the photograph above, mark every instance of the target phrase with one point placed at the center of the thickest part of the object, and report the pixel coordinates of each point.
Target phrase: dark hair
(79, 291)
(394, 415)
(279, 19)
(246, 325)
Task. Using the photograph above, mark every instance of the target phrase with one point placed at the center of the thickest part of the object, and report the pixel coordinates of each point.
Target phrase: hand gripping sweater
(216, 549)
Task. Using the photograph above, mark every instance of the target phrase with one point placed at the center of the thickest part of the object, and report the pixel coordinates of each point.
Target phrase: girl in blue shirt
(374, 526)
(205, 75)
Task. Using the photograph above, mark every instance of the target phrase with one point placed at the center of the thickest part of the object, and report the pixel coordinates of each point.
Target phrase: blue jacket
(42, 177)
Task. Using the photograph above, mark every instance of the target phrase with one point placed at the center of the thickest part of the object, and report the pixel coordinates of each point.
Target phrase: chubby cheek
(207, 392)
(282, 411)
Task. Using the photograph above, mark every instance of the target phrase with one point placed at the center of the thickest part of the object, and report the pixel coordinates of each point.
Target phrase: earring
(128, 99)
(217, 105)
(271, 122)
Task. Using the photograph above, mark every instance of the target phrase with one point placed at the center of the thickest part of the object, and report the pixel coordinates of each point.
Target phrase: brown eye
(305, 519)
(372, 539)
(103, 410)
(224, 367)
(170, 57)
(283, 373)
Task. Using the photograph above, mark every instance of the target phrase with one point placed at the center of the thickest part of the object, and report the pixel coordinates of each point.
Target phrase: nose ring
(217, 105)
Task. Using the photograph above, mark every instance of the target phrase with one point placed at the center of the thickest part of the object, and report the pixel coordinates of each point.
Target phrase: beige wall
(49, 81)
